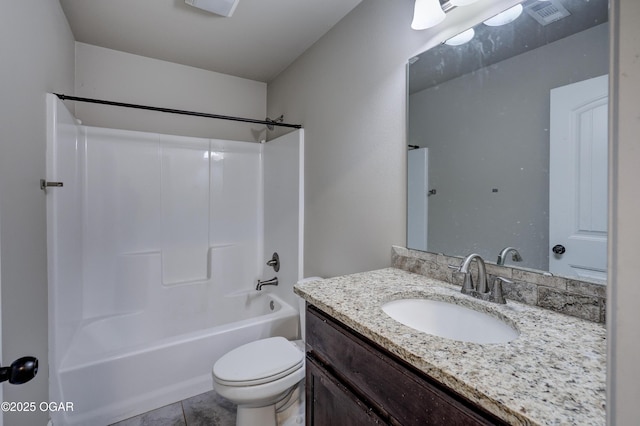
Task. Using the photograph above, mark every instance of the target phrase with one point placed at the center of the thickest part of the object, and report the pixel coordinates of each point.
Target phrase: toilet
(263, 378)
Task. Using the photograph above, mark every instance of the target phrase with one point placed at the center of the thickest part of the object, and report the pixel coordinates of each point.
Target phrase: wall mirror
(507, 140)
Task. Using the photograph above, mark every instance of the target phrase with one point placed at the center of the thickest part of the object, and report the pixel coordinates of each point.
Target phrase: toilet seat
(258, 362)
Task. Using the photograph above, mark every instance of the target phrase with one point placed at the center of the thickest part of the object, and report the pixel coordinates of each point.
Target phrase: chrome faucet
(467, 287)
(502, 257)
(481, 290)
(272, 281)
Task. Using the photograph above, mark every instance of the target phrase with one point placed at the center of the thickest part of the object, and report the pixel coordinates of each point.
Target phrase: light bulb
(505, 17)
(427, 14)
(462, 38)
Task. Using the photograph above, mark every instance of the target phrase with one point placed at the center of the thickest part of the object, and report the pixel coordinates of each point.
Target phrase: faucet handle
(274, 262)
(496, 292)
(467, 285)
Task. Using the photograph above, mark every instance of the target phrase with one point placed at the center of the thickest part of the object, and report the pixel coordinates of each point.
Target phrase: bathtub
(121, 366)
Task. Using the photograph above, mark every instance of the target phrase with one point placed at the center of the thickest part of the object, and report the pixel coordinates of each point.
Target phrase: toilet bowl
(262, 377)
(258, 375)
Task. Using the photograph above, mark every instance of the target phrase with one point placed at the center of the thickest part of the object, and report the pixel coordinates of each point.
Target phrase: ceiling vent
(546, 12)
(219, 7)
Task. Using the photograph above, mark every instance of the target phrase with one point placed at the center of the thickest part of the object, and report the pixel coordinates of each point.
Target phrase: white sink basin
(449, 320)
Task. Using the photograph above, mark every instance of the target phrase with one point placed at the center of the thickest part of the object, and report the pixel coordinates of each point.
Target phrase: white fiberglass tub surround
(145, 370)
(155, 243)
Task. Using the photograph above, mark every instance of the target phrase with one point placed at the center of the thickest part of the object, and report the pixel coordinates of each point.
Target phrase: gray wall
(503, 143)
(37, 57)
(117, 76)
(348, 90)
(623, 297)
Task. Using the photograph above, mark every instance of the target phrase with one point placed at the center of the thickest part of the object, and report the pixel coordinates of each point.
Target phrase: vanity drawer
(396, 391)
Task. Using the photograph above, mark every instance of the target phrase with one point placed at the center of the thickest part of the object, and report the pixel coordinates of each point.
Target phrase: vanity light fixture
(427, 14)
(505, 17)
(462, 38)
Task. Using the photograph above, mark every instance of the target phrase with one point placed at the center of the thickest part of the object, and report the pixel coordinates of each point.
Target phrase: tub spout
(272, 281)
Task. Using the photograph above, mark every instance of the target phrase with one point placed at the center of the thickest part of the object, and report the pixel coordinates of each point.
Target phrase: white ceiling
(259, 41)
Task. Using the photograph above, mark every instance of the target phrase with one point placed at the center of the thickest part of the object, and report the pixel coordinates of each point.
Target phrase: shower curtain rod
(177, 111)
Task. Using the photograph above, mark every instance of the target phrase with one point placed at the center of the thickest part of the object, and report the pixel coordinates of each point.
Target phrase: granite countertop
(553, 374)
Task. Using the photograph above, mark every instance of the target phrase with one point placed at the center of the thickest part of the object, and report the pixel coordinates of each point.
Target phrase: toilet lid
(258, 362)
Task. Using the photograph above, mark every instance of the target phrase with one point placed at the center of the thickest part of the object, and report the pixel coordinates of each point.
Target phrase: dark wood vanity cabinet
(353, 381)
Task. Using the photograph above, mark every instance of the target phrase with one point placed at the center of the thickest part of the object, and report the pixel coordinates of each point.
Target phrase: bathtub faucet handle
(274, 262)
(272, 281)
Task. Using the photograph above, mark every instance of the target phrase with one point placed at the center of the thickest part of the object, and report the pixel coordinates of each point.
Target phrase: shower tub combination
(146, 369)
(155, 243)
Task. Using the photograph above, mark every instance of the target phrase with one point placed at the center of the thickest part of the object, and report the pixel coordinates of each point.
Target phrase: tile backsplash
(569, 296)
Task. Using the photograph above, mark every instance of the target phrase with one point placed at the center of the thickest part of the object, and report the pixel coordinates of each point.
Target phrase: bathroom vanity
(350, 377)
(363, 367)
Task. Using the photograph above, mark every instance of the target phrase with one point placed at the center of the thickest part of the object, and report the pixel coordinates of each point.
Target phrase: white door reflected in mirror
(578, 179)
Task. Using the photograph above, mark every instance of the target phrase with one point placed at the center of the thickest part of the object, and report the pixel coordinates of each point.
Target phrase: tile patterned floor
(207, 409)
